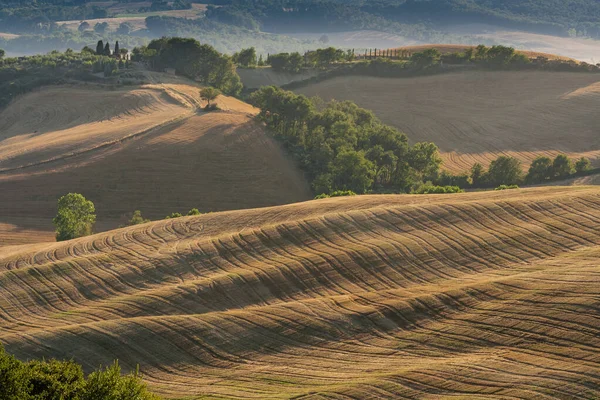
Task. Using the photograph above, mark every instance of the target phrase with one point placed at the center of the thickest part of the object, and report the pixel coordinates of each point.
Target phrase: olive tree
(75, 217)
(209, 94)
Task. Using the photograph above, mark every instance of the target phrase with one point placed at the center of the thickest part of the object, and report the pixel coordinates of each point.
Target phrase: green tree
(425, 159)
(137, 219)
(100, 48)
(75, 217)
(505, 170)
(540, 170)
(247, 57)
(117, 50)
(352, 171)
(54, 379)
(477, 175)
(561, 166)
(107, 49)
(194, 211)
(209, 94)
(582, 165)
(13, 383)
(426, 58)
(108, 384)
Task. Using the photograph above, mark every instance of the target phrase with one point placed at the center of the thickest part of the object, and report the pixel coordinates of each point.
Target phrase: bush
(137, 219)
(194, 211)
(429, 188)
(75, 217)
(507, 187)
(540, 170)
(174, 215)
(64, 380)
(337, 193)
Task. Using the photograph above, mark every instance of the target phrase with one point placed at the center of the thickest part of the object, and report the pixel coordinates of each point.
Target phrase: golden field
(479, 295)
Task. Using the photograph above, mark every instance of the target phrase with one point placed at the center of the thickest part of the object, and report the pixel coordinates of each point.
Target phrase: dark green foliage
(124, 29)
(54, 380)
(505, 171)
(582, 165)
(426, 58)
(561, 167)
(209, 94)
(337, 193)
(13, 382)
(64, 380)
(194, 211)
(107, 51)
(100, 48)
(447, 179)
(75, 217)
(507, 187)
(344, 147)
(286, 62)
(540, 170)
(247, 58)
(117, 49)
(137, 219)
(196, 61)
(174, 215)
(429, 188)
(478, 175)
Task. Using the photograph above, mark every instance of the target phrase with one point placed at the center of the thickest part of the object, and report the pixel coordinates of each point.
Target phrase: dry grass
(476, 116)
(145, 148)
(479, 295)
(458, 48)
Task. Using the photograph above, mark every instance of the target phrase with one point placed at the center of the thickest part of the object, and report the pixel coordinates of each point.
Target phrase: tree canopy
(75, 217)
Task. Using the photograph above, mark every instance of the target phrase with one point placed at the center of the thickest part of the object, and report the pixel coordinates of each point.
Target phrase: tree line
(65, 380)
(341, 146)
(507, 170)
(189, 58)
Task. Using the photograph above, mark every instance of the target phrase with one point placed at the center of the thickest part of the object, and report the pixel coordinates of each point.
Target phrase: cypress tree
(100, 48)
(107, 49)
(117, 49)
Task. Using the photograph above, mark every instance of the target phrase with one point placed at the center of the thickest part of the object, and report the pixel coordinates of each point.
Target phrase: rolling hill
(477, 115)
(146, 148)
(479, 295)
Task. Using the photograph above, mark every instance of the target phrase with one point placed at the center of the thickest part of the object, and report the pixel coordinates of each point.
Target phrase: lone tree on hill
(100, 48)
(75, 217)
(209, 94)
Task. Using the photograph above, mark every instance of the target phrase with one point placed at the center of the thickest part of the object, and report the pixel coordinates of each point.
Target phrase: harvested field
(476, 116)
(478, 295)
(175, 159)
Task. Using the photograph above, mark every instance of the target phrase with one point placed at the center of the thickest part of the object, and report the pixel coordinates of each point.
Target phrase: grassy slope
(145, 148)
(476, 116)
(479, 295)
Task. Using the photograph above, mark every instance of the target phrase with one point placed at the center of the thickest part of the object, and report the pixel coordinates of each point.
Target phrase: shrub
(429, 188)
(174, 215)
(507, 187)
(194, 211)
(137, 219)
(75, 217)
(337, 193)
